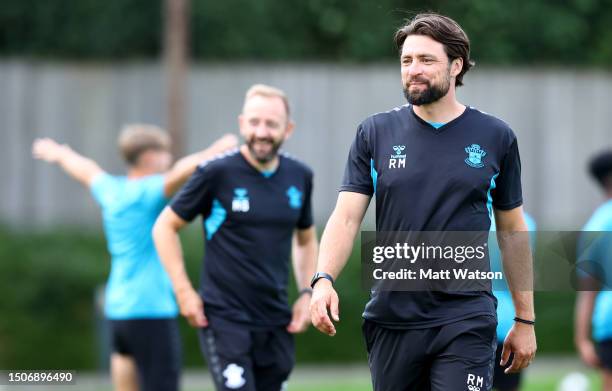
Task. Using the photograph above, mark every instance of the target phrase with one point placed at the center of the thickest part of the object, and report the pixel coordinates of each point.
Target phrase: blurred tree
(573, 32)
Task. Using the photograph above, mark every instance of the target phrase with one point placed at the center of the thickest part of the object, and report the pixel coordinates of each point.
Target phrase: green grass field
(549, 383)
(343, 378)
(541, 383)
(357, 381)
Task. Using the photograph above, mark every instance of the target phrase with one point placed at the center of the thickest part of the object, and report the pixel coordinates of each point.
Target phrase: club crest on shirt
(240, 203)
(475, 156)
(397, 159)
(295, 197)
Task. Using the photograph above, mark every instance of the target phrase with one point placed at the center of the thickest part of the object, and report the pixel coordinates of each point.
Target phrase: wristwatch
(318, 275)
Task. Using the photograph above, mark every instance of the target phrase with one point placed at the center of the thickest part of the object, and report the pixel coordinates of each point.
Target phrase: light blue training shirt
(138, 286)
(601, 221)
(505, 306)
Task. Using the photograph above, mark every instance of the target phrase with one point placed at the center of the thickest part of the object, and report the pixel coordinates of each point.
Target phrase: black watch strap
(524, 321)
(318, 275)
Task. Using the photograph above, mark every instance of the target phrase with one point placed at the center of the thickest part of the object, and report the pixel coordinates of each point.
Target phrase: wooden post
(176, 64)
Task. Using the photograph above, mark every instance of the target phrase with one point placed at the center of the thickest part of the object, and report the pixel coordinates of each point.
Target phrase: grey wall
(560, 116)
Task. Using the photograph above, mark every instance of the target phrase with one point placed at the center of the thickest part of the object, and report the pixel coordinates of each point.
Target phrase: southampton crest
(295, 197)
(475, 155)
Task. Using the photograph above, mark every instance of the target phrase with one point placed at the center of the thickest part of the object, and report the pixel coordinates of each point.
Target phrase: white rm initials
(475, 383)
(397, 163)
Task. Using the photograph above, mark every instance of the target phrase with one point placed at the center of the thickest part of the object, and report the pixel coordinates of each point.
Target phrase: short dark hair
(441, 29)
(600, 167)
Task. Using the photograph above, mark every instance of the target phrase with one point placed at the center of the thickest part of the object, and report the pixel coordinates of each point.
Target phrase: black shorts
(604, 352)
(502, 381)
(155, 346)
(248, 360)
(453, 357)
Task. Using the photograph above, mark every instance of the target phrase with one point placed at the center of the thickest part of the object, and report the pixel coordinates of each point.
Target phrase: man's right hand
(588, 354)
(324, 297)
(192, 308)
(47, 149)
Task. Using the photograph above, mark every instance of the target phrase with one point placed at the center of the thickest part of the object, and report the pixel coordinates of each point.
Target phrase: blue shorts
(453, 357)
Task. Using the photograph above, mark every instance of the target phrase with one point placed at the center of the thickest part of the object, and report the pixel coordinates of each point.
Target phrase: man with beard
(255, 204)
(434, 165)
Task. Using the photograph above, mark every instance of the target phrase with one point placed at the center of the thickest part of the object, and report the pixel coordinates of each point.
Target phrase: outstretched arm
(304, 262)
(168, 245)
(77, 166)
(183, 168)
(513, 238)
(336, 246)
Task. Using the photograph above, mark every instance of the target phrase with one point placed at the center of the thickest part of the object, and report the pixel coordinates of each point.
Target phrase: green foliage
(47, 317)
(46, 299)
(572, 32)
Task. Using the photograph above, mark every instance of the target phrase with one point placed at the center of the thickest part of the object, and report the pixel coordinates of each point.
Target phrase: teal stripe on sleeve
(489, 197)
(215, 219)
(373, 174)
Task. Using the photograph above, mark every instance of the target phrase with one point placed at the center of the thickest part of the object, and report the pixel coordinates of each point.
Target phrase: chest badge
(398, 160)
(240, 203)
(475, 156)
(295, 197)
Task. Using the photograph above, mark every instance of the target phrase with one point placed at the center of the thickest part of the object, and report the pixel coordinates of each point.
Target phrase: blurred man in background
(505, 311)
(593, 318)
(139, 301)
(255, 203)
(434, 165)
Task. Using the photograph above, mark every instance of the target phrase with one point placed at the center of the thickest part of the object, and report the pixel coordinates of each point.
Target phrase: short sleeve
(306, 219)
(593, 254)
(103, 188)
(153, 191)
(359, 166)
(594, 248)
(508, 192)
(195, 197)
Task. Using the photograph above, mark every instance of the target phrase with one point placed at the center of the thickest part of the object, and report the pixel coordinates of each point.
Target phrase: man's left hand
(301, 315)
(521, 341)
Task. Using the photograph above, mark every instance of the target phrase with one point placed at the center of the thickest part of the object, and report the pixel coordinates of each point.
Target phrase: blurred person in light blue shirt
(593, 318)
(505, 309)
(139, 301)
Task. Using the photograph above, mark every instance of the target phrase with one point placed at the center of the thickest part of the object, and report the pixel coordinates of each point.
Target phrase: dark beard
(262, 159)
(430, 95)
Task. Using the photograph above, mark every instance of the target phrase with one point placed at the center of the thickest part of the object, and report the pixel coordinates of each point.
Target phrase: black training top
(433, 179)
(249, 219)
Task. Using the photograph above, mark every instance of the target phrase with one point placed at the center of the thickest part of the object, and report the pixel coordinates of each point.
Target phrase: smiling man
(433, 165)
(255, 203)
